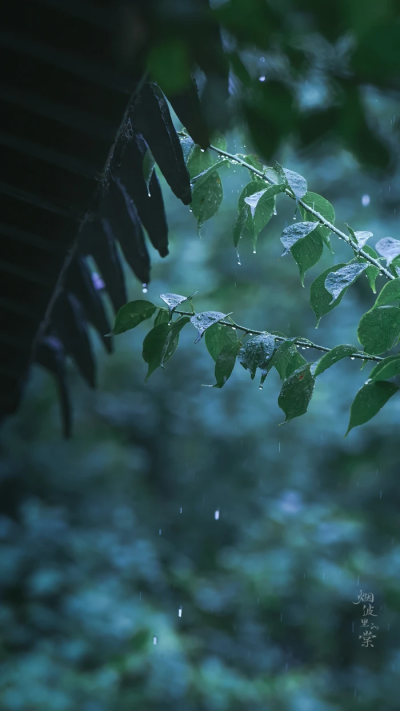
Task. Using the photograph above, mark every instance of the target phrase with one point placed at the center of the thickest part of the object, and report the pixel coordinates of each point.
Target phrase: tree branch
(382, 270)
(297, 341)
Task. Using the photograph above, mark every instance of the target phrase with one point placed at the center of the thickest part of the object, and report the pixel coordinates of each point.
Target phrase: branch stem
(311, 211)
(297, 341)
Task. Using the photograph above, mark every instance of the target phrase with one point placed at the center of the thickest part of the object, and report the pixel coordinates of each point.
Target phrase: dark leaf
(207, 198)
(149, 201)
(97, 240)
(287, 359)
(72, 328)
(120, 212)
(151, 118)
(387, 368)
(188, 109)
(389, 293)
(79, 281)
(50, 354)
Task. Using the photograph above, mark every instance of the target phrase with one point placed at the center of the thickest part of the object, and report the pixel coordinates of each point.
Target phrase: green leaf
(293, 233)
(131, 314)
(253, 160)
(371, 271)
(148, 167)
(379, 329)
(368, 401)
(204, 320)
(199, 179)
(320, 298)
(388, 248)
(256, 353)
(297, 183)
(174, 300)
(254, 186)
(338, 282)
(172, 340)
(240, 224)
(225, 363)
(161, 343)
(307, 252)
(217, 337)
(387, 368)
(389, 293)
(153, 346)
(324, 208)
(337, 353)
(199, 160)
(162, 317)
(206, 198)
(262, 206)
(297, 392)
(287, 359)
(280, 172)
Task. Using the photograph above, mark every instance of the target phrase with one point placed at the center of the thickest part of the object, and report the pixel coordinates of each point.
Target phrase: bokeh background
(104, 538)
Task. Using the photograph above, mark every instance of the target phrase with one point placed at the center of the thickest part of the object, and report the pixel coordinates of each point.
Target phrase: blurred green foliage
(173, 496)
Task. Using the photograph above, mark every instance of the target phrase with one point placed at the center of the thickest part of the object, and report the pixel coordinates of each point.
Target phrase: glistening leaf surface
(379, 329)
(130, 315)
(297, 392)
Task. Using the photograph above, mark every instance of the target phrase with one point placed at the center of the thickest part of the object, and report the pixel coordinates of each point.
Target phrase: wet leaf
(130, 315)
(388, 248)
(287, 359)
(379, 329)
(337, 353)
(389, 293)
(368, 401)
(324, 208)
(240, 224)
(206, 198)
(204, 320)
(293, 233)
(338, 282)
(387, 368)
(225, 363)
(162, 317)
(161, 343)
(297, 392)
(371, 271)
(217, 337)
(199, 179)
(174, 300)
(320, 298)
(256, 353)
(172, 339)
(307, 252)
(297, 183)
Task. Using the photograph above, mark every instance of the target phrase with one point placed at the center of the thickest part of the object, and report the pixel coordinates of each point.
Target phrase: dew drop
(351, 358)
(233, 328)
(202, 150)
(260, 387)
(144, 290)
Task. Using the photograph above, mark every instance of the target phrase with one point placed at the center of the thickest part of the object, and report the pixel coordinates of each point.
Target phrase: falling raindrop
(254, 251)
(159, 531)
(180, 612)
(279, 446)
(202, 150)
(380, 495)
(351, 358)
(155, 640)
(262, 78)
(352, 626)
(260, 387)
(216, 515)
(365, 200)
(180, 511)
(281, 617)
(144, 290)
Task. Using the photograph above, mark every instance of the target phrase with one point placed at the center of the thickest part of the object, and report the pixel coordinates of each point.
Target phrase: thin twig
(307, 208)
(297, 341)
